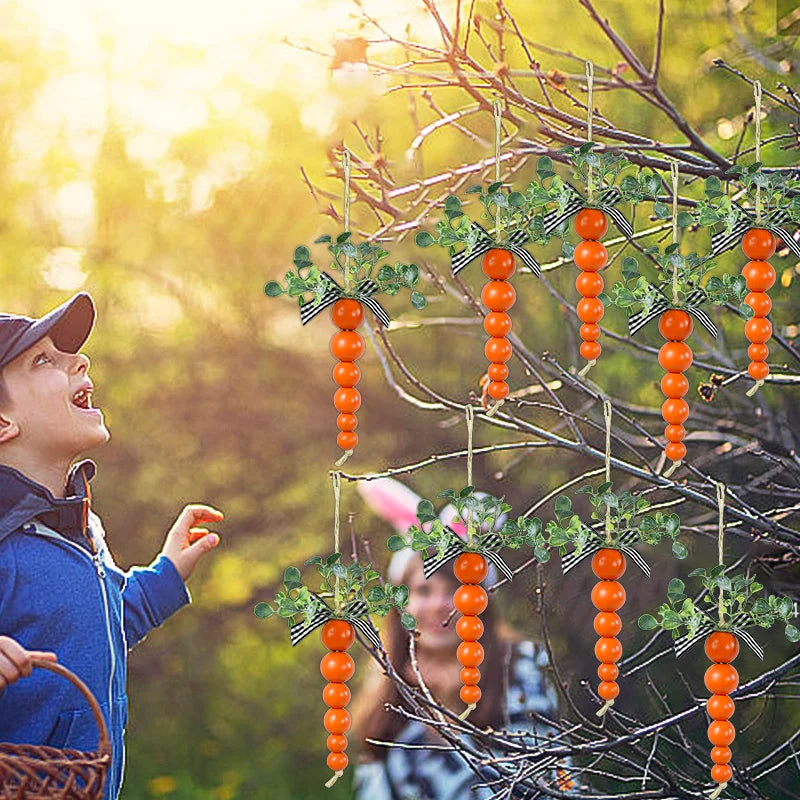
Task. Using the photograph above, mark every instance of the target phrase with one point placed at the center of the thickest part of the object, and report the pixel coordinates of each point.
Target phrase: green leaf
(396, 543)
(343, 237)
(418, 300)
(679, 550)
(661, 210)
(792, 633)
(544, 165)
(424, 239)
(630, 268)
(685, 219)
(263, 610)
(273, 289)
(292, 579)
(516, 199)
(474, 190)
(424, 507)
(324, 238)
(563, 507)
(494, 187)
(647, 622)
(408, 621)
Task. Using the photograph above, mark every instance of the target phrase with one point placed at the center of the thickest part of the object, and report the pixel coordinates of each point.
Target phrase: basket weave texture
(36, 772)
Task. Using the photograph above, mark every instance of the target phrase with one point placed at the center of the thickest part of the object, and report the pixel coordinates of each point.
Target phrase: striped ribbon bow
(692, 305)
(738, 621)
(624, 543)
(486, 242)
(488, 547)
(355, 612)
(606, 201)
(721, 241)
(333, 292)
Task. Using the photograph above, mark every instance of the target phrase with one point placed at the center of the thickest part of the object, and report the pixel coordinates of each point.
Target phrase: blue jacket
(60, 590)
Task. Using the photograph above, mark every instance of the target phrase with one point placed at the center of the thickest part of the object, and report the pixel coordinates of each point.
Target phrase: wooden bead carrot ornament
(513, 213)
(591, 224)
(675, 321)
(625, 524)
(758, 229)
(342, 608)
(482, 517)
(364, 276)
(731, 607)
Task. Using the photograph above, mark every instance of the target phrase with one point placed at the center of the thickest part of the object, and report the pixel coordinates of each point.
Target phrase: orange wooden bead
(721, 773)
(470, 694)
(721, 733)
(760, 302)
(608, 596)
(470, 629)
(590, 223)
(337, 761)
(608, 690)
(590, 309)
(347, 314)
(609, 564)
(347, 373)
(347, 440)
(608, 672)
(589, 284)
(720, 706)
(590, 256)
(336, 695)
(607, 623)
(758, 352)
(675, 411)
(608, 650)
(721, 678)
(498, 295)
(591, 350)
(470, 567)
(759, 275)
(498, 264)
(721, 755)
(497, 350)
(470, 676)
(347, 345)
(337, 742)
(590, 332)
(348, 401)
(337, 720)
(497, 323)
(470, 654)
(347, 422)
(675, 356)
(758, 370)
(758, 329)
(337, 634)
(759, 244)
(675, 451)
(337, 667)
(497, 372)
(675, 325)
(470, 600)
(673, 384)
(721, 647)
(674, 433)
(498, 390)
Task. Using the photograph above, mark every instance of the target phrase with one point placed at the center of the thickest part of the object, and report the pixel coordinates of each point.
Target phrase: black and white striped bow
(486, 242)
(333, 292)
(606, 201)
(488, 547)
(724, 240)
(691, 305)
(355, 612)
(624, 542)
(738, 621)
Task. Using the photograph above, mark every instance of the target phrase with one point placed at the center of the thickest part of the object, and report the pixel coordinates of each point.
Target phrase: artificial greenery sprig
(627, 514)
(727, 597)
(607, 167)
(340, 584)
(356, 263)
(480, 515)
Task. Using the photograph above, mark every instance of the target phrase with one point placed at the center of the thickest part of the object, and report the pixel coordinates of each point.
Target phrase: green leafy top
(727, 597)
(480, 514)
(355, 263)
(353, 583)
(607, 167)
(778, 191)
(628, 514)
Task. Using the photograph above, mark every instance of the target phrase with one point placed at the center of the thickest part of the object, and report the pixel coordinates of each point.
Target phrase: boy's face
(48, 412)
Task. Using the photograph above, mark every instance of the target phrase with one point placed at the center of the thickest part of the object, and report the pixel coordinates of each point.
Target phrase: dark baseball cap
(68, 326)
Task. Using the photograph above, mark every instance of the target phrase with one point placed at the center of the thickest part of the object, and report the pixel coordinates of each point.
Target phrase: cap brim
(68, 325)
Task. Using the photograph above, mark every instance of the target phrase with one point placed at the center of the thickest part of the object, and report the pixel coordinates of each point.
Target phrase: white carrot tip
(336, 776)
(672, 468)
(467, 711)
(718, 791)
(758, 384)
(587, 367)
(347, 454)
(601, 712)
(493, 409)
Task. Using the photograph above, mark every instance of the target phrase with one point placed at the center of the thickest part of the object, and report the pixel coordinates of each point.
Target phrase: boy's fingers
(44, 655)
(201, 513)
(15, 653)
(8, 669)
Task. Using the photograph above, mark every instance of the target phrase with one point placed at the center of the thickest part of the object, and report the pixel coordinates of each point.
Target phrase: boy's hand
(15, 661)
(186, 544)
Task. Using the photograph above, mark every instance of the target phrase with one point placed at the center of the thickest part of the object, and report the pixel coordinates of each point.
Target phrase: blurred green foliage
(214, 394)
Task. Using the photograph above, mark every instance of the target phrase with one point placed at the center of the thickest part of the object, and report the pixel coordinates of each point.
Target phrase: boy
(61, 595)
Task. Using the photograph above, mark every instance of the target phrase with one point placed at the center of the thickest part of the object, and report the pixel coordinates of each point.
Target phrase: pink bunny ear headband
(397, 504)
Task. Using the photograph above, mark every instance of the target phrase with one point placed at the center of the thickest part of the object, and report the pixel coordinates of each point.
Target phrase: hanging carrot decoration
(625, 525)
(758, 229)
(341, 607)
(364, 276)
(591, 224)
(738, 607)
(675, 323)
(486, 531)
(513, 214)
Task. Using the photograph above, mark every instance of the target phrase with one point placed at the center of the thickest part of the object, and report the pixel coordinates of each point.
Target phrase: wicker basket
(33, 772)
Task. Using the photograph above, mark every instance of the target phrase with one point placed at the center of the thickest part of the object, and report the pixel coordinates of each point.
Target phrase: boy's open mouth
(83, 399)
